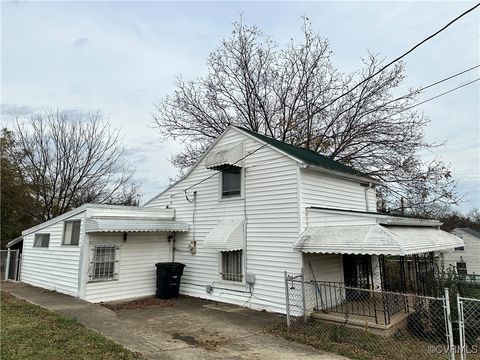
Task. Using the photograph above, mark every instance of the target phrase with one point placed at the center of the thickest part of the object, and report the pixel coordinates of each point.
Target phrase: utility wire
(399, 112)
(448, 78)
(401, 56)
(230, 165)
(407, 95)
(437, 96)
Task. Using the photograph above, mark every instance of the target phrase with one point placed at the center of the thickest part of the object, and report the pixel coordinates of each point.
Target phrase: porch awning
(228, 235)
(226, 155)
(96, 225)
(375, 240)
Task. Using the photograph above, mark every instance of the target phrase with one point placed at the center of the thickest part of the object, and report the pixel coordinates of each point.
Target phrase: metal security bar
(232, 265)
(104, 264)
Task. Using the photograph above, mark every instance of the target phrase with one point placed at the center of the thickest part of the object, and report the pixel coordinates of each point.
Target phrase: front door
(357, 274)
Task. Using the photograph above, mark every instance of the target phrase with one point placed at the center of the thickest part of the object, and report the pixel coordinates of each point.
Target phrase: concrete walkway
(190, 329)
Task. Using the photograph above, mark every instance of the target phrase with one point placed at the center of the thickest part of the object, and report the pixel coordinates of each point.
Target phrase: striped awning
(226, 155)
(375, 240)
(96, 225)
(228, 235)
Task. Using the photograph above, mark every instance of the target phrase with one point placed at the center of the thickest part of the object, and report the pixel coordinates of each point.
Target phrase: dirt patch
(138, 304)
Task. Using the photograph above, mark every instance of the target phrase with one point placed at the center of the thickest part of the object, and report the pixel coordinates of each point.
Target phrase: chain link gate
(10, 264)
(468, 327)
(362, 323)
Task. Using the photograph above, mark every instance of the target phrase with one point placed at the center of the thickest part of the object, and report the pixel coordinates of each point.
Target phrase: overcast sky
(122, 57)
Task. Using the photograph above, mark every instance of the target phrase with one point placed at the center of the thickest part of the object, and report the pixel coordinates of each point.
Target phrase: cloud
(16, 109)
(80, 43)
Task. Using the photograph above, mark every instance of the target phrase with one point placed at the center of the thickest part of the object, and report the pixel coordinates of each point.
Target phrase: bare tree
(287, 93)
(69, 162)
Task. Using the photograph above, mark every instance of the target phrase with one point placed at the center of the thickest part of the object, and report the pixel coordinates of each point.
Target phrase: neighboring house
(465, 259)
(251, 209)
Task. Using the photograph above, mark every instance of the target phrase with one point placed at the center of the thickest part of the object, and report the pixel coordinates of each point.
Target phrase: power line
(416, 91)
(437, 96)
(448, 78)
(401, 56)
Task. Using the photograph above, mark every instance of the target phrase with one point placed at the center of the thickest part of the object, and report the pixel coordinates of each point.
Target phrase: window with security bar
(104, 264)
(232, 265)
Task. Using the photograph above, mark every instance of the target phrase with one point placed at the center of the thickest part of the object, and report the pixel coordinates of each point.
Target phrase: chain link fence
(9, 264)
(369, 324)
(469, 327)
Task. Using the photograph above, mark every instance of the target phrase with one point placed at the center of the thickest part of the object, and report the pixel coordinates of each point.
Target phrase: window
(71, 232)
(104, 263)
(231, 181)
(232, 266)
(460, 248)
(461, 268)
(41, 240)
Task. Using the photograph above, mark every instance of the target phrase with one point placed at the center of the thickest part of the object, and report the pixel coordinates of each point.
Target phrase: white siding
(470, 255)
(323, 190)
(323, 267)
(137, 273)
(317, 217)
(270, 206)
(56, 267)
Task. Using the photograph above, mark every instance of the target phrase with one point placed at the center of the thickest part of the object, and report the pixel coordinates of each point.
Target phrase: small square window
(232, 266)
(231, 181)
(104, 263)
(41, 240)
(71, 232)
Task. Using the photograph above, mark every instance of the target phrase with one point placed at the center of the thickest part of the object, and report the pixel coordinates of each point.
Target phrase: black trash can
(168, 279)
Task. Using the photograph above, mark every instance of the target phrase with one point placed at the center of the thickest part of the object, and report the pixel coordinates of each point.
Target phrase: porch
(371, 275)
(376, 310)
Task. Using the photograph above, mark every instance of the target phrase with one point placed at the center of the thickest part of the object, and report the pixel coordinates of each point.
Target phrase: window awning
(375, 240)
(228, 235)
(96, 225)
(226, 155)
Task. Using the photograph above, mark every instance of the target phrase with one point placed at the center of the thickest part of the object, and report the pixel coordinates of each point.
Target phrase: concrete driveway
(190, 329)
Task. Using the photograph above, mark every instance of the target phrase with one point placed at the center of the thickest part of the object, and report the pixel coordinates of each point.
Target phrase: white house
(249, 210)
(465, 259)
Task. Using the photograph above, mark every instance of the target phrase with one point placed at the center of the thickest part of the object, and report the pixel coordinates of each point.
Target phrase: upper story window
(71, 232)
(231, 181)
(460, 248)
(41, 240)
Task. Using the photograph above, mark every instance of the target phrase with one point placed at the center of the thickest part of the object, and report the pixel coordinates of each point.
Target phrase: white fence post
(461, 328)
(287, 298)
(7, 265)
(451, 347)
(304, 301)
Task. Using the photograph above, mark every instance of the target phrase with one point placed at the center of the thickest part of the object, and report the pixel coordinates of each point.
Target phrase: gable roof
(307, 156)
(470, 231)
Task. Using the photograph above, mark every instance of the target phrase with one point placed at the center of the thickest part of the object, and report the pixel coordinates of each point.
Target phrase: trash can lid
(169, 264)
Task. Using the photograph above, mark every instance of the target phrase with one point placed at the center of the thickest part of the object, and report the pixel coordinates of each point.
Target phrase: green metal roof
(307, 156)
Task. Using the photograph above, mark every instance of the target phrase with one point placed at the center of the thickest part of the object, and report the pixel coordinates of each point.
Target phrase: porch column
(376, 273)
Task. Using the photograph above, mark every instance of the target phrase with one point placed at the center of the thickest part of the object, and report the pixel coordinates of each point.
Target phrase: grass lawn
(30, 332)
(359, 344)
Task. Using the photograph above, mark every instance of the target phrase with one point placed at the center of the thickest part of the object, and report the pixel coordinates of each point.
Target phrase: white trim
(74, 212)
(193, 167)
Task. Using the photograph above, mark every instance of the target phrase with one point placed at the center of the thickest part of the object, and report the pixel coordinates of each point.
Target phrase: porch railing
(336, 297)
